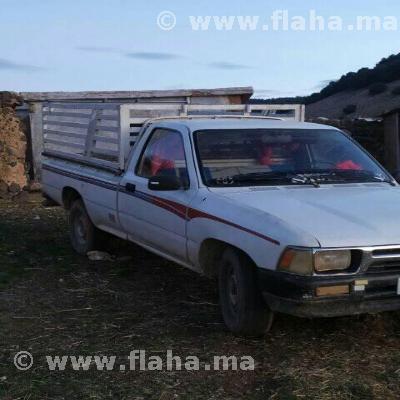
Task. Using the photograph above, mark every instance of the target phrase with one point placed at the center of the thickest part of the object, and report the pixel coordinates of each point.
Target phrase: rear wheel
(83, 234)
(243, 309)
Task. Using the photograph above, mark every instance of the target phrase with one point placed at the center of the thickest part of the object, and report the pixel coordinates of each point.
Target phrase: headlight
(332, 260)
(305, 261)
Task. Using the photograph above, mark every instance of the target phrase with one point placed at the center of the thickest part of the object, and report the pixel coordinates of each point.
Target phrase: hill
(355, 104)
(369, 92)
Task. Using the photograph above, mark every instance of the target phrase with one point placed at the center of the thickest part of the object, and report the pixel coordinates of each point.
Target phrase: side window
(164, 154)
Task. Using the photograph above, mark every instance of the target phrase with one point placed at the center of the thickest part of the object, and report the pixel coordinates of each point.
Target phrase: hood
(336, 215)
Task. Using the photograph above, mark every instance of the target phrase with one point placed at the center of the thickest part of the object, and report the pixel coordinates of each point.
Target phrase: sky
(71, 45)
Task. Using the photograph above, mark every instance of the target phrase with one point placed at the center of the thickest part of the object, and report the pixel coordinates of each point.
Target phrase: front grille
(386, 253)
(382, 260)
(387, 266)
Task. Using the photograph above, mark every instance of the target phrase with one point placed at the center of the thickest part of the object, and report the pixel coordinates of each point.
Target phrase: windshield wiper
(274, 176)
(315, 178)
(261, 176)
(305, 180)
(355, 175)
(343, 175)
(252, 177)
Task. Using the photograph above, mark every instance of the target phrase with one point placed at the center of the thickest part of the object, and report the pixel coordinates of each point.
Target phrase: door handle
(130, 187)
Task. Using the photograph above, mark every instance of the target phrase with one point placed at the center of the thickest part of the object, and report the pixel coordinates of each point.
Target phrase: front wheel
(243, 309)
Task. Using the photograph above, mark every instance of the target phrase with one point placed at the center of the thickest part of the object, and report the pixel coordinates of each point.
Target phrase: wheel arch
(69, 195)
(211, 250)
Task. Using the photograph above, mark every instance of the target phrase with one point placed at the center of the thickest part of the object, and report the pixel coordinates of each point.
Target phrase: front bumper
(296, 295)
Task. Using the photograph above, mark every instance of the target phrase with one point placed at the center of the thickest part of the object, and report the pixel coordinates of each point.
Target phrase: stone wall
(13, 143)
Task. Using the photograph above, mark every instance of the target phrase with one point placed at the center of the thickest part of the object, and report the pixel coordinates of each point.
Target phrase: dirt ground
(54, 302)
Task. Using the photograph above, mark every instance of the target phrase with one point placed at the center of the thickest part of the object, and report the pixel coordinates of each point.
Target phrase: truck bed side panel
(98, 190)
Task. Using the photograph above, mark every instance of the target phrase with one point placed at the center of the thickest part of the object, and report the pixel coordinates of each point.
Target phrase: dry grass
(55, 302)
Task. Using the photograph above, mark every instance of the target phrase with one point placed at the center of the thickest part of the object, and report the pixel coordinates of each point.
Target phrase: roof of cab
(194, 124)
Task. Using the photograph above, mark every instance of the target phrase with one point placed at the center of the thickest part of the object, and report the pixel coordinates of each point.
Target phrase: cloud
(98, 49)
(322, 84)
(228, 65)
(138, 55)
(13, 66)
(153, 56)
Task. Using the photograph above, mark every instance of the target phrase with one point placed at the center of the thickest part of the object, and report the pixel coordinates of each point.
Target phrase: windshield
(250, 157)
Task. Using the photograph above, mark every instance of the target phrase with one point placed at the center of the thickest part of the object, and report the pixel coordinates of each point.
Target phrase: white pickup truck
(290, 217)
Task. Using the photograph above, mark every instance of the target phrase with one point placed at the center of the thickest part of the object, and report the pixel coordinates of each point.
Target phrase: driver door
(158, 218)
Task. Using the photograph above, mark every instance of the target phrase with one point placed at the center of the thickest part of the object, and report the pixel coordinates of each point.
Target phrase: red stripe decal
(191, 213)
(169, 205)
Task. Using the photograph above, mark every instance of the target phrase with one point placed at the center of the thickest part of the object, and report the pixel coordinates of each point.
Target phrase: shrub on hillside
(377, 88)
(350, 109)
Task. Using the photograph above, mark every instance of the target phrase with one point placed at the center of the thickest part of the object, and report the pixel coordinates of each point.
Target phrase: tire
(243, 309)
(83, 234)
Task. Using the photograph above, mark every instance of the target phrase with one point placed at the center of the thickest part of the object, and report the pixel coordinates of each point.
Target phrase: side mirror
(161, 183)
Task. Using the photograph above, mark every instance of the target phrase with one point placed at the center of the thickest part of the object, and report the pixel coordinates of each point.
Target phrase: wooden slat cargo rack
(100, 131)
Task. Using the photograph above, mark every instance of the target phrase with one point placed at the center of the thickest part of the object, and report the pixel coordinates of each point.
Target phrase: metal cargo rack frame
(99, 128)
(102, 135)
